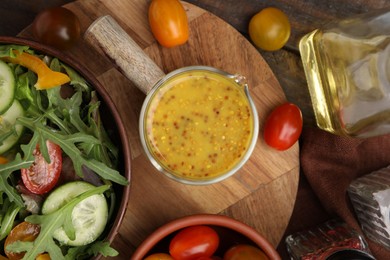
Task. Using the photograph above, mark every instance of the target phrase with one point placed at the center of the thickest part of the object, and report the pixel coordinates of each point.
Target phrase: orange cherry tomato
(246, 252)
(168, 22)
(283, 126)
(43, 257)
(159, 256)
(269, 29)
(3, 160)
(22, 232)
(57, 26)
(194, 242)
(42, 176)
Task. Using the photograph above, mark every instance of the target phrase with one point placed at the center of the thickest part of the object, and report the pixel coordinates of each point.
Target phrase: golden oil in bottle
(347, 66)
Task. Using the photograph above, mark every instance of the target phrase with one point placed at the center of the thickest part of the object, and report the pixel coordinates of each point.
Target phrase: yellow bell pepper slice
(47, 78)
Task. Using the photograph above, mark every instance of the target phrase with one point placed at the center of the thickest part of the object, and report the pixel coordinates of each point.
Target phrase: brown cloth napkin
(330, 163)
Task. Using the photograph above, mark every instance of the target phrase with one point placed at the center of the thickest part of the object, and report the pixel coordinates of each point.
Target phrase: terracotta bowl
(111, 120)
(230, 231)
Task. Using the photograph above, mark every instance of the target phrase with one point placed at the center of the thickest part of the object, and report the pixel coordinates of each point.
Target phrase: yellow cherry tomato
(168, 22)
(269, 29)
(24, 231)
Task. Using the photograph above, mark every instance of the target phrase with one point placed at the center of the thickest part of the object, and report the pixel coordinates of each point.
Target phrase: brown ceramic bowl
(231, 232)
(113, 125)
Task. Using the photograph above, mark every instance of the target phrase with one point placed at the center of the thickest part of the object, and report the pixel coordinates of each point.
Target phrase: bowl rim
(204, 219)
(88, 75)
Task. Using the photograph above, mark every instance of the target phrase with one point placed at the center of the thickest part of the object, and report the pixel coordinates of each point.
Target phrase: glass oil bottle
(347, 67)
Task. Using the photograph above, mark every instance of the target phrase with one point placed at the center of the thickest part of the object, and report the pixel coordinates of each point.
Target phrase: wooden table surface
(305, 16)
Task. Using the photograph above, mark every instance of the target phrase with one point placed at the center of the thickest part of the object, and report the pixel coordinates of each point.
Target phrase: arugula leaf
(6, 50)
(23, 92)
(50, 223)
(98, 152)
(79, 113)
(8, 213)
(68, 145)
(5, 172)
(99, 247)
(71, 110)
(76, 80)
(103, 248)
(29, 148)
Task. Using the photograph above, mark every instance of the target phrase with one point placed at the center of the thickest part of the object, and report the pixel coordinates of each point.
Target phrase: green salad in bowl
(63, 182)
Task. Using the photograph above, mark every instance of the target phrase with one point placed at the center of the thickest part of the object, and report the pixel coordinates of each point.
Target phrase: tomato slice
(194, 242)
(42, 176)
(24, 231)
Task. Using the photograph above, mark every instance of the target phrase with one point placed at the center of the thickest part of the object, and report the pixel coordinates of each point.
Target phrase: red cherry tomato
(246, 252)
(42, 176)
(194, 242)
(168, 22)
(159, 256)
(58, 27)
(283, 126)
(22, 232)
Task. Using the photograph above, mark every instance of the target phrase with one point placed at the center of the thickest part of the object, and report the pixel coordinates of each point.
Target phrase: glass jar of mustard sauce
(199, 125)
(347, 66)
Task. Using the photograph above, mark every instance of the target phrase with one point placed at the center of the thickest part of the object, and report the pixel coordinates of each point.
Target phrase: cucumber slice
(7, 122)
(89, 217)
(7, 87)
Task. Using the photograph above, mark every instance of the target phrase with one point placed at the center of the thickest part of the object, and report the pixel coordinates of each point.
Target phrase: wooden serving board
(261, 194)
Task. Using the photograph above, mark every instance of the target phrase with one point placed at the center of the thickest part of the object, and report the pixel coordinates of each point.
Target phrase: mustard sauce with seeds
(199, 125)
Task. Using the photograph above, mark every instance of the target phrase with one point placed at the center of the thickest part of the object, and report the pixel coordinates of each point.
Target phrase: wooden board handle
(105, 33)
